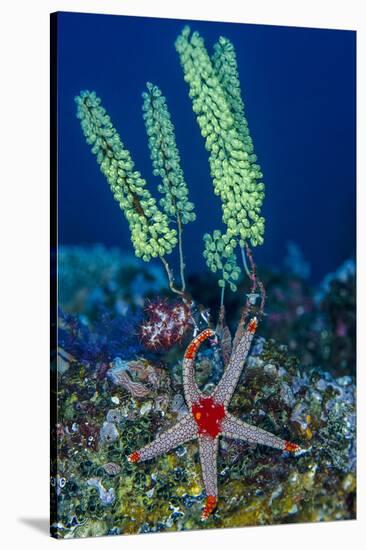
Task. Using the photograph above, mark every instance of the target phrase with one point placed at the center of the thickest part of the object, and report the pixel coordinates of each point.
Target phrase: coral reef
(99, 277)
(208, 417)
(318, 324)
(277, 392)
(316, 321)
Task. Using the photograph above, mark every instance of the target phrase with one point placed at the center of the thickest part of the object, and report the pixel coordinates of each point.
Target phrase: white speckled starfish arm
(208, 456)
(237, 429)
(191, 391)
(190, 388)
(185, 430)
(226, 387)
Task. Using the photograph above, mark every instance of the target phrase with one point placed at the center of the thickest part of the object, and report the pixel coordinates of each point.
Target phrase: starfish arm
(191, 391)
(190, 388)
(185, 430)
(229, 380)
(208, 455)
(237, 429)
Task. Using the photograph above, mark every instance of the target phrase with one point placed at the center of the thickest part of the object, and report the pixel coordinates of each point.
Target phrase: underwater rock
(91, 528)
(146, 407)
(161, 403)
(112, 468)
(270, 370)
(119, 376)
(286, 395)
(145, 372)
(178, 404)
(63, 361)
(114, 415)
(254, 366)
(257, 346)
(89, 433)
(301, 419)
(108, 433)
(107, 497)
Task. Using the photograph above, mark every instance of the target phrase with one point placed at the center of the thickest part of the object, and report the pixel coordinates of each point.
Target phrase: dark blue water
(299, 90)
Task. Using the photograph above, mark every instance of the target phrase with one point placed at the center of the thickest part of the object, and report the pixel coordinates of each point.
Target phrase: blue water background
(299, 90)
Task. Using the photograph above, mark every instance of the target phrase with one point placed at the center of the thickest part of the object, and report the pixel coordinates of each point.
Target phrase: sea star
(208, 417)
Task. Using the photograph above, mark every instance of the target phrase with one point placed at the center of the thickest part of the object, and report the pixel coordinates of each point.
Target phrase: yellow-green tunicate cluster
(150, 232)
(219, 256)
(165, 156)
(215, 92)
(225, 66)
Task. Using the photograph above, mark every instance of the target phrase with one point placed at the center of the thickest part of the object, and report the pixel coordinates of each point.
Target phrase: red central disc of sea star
(208, 416)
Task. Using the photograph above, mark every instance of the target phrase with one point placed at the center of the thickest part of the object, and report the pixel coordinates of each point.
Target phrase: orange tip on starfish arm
(134, 457)
(291, 447)
(210, 505)
(252, 326)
